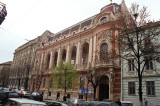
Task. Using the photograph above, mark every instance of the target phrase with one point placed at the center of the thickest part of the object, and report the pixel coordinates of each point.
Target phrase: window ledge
(151, 95)
(131, 94)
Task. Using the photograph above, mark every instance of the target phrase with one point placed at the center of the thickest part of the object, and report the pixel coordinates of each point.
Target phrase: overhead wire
(25, 13)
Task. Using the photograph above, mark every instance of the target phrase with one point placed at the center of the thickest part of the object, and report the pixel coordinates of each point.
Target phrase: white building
(151, 73)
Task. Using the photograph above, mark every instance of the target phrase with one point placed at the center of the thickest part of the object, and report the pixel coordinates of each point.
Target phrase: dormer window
(103, 19)
(74, 33)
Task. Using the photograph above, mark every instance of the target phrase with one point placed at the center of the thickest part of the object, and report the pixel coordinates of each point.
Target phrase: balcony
(3, 12)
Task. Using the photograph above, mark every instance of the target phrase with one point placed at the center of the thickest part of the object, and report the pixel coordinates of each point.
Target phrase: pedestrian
(64, 97)
(58, 95)
(145, 102)
(118, 102)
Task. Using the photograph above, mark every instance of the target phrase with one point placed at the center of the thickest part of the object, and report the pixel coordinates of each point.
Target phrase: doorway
(104, 88)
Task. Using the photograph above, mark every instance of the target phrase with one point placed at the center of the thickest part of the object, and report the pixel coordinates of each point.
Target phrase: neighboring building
(4, 73)
(151, 73)
(87, 45)
(23, 63)
(3, 12)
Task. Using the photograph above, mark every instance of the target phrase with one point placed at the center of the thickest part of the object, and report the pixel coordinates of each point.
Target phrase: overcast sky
(27, 19)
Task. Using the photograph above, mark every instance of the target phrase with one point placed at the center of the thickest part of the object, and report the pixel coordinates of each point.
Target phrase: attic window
(85, 28)
(103, 19)
(74, 33)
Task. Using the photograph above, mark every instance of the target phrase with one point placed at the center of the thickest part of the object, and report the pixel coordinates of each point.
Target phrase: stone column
(41, 63)
(111, 81)
(44, 60)
(59, 56)
(94, 50)
(51, 60)
(78, 55)
(68, 55)
(90, 52)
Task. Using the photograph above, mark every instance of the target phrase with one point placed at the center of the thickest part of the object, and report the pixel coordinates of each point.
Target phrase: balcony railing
(3, 12)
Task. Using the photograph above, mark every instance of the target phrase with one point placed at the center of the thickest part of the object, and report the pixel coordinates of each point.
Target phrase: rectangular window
(150, 88)
(72, 62)
(131, 64)
(44, 81)
(51, 83)
(130, 43)
(147, 41)
(49, 93)
(131, 88)
(149, 63)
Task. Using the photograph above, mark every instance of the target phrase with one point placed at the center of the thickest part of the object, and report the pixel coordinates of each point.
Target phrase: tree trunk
(95, 87)
(140, 91)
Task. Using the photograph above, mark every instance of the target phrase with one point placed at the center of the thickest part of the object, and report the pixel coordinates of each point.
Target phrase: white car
(126, 103)
(23, 102)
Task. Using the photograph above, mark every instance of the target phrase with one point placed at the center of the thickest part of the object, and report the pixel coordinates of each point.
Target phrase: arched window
(104, 52)
(103, 19)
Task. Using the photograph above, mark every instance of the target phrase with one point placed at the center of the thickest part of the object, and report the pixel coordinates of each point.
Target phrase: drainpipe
(122, 79)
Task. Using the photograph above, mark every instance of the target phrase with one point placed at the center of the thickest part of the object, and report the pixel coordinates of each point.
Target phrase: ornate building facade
(23, 63)
(88, 46)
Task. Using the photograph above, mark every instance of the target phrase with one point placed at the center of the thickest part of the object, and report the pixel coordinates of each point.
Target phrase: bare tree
(138, 40)
(94, 79)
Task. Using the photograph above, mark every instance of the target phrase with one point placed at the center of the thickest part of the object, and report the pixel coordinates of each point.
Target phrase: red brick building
(88, 46)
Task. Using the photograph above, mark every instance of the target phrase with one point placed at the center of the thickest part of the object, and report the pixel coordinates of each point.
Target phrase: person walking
(118, 102)
(58, 95)
(145, 102)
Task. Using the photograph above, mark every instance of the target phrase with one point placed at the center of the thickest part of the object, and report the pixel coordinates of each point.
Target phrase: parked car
(55, 103)
(23, 102)
(4, 90)
(126, 103)
(98, 103)
(6, 95)
(26, 94)
(20, 93)
(76, 102)
(36, 96)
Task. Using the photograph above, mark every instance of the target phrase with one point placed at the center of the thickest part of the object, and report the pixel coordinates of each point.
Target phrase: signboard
(85, 91)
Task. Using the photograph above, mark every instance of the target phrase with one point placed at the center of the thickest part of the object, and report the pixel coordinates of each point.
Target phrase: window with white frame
(131, 64)
(104, 52)
(150, 87)
(131, 88)
(149, 63)
(130, 43)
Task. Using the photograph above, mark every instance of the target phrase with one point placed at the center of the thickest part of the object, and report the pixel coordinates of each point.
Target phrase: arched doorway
(104, 88)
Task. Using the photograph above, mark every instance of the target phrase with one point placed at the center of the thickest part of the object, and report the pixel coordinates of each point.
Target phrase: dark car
(36, 96)
(4, 96)
(98, 103)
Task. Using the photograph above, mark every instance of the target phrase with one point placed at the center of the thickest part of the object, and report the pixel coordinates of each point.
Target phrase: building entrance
(104, 88)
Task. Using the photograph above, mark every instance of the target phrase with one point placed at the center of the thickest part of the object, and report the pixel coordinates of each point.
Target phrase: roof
(24, 101)
(5, 63)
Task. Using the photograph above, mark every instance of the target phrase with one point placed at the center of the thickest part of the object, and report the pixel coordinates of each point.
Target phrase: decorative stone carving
(105, 35)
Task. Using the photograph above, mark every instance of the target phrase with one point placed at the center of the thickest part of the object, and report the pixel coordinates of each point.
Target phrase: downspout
(122, 79)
